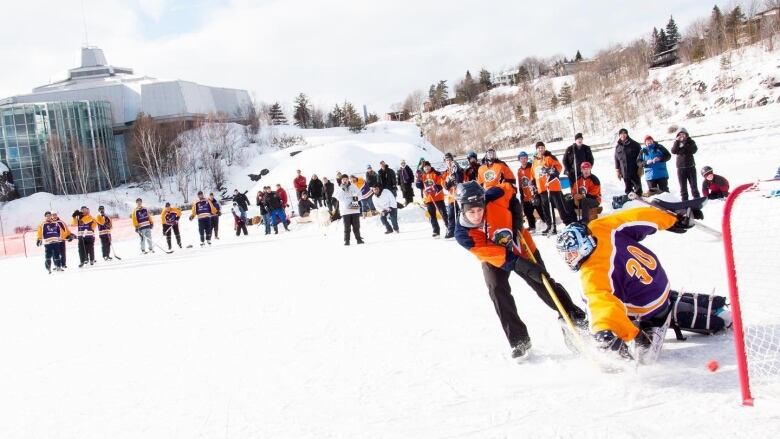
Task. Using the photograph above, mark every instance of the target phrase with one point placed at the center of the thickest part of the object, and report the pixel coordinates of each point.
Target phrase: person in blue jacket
(653, 158)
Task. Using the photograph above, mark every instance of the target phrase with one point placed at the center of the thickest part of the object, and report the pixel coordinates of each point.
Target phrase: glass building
(61, 147)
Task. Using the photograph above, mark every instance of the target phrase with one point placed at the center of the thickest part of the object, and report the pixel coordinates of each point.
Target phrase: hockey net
(751, 236)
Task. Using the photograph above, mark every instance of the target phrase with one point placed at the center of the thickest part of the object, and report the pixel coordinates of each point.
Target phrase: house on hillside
(398, 116)
(507, 77)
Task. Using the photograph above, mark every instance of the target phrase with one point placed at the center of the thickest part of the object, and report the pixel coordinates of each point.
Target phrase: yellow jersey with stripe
(622, 280)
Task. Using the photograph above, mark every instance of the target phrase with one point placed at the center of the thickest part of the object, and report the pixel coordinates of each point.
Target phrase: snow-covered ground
(296, 336)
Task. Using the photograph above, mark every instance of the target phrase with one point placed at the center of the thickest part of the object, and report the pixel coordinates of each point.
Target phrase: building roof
(130, 94)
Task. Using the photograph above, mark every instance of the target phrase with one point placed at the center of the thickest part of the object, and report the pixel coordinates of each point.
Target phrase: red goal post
(751, 238)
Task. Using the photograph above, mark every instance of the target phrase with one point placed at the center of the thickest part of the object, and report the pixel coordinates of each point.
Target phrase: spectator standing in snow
(406, 179)
(471, 173)
(576, 154)
(432, 185)
(315, 190)
(327, 187)
(299, 183)
(348, 198)
(273, 203)
(239, 223)
(586, 194)
(384, 200)
(714, 186)
(282, 195)
(453, 176)
(215, 217)
(387, 178)
(653, 158)
(371, 177)
(626, 156)
(684, 148)
(263, 209)
(243, 203)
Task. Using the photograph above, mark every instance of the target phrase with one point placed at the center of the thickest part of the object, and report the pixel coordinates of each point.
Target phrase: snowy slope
(323, 152)
(297, 336)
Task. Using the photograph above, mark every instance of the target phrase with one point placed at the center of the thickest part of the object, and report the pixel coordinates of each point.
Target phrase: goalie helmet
(575, 244)
(470, 194)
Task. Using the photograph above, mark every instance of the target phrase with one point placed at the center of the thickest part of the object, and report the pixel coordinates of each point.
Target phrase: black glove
(684, 221)
(70, 238)
(607, 341)
(38, 243)
(76, 214)
(527, 269)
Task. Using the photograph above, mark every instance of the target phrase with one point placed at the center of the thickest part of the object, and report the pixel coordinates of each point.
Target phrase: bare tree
(103, 165)
(81, 165)
(151, 151)
(54, 152)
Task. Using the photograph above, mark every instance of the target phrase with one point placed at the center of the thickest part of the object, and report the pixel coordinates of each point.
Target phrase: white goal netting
(754, 222)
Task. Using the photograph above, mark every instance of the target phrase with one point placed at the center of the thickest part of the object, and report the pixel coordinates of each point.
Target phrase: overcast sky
(369, 52)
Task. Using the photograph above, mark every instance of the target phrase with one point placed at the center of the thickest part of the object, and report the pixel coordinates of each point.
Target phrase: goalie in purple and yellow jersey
(626, 289)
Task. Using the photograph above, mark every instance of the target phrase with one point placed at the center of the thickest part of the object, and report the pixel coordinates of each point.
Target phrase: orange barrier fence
(24, 243)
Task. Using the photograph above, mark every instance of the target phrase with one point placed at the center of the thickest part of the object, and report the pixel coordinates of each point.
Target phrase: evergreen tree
(372, 118)
(352, 119)
(554, 102)
(441, 94)
(336, 117)
(276, 115)
(532, 113)
(733, 25)
(672, 34)
(301, 113)
(467, 89)
(716, 29)
(565, 95)
(660, 43)
(317, 119)
(654, 38)
(522, 75)
(519, 113)
(484, 80)
(578, 57)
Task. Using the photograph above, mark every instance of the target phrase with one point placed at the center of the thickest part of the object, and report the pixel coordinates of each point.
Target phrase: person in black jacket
(372, 177)
(242, 203)
(263, 209)
(387, 179)
(406, 180)
(305, 205)
(576, 154)
(626, 154)
(684, 148)
(328, 187)
(315, 190)
(472, 170)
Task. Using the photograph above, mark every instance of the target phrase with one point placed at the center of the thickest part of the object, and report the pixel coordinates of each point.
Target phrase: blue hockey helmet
(575, 244)
(522, 154)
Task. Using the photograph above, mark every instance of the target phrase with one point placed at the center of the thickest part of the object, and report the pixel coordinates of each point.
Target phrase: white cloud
(368, 52)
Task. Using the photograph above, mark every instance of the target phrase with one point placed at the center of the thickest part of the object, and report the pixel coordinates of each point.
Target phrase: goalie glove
(684, 221)
(607, 341)
(38, 243)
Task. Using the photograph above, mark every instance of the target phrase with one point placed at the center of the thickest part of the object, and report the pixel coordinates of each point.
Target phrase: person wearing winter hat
(531, 199)
(714, 186)
(406, 180)
(452, 176)
(684, 148)
(385, 202)
(626, 165)
(587, 193)
(575, 155)
(348, 198)
(472, 170)
(432, 185)
(654, 157)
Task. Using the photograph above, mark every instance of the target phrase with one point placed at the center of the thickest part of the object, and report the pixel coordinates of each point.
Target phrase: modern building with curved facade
(87, 115)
